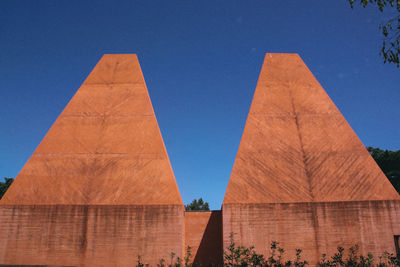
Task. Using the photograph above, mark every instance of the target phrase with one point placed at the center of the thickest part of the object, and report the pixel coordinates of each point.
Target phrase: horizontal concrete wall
(89, 235)
(314, 227)
(203, 234)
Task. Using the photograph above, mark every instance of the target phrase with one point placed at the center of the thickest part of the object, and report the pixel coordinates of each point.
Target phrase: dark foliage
(389, 162)
(5, 185)
(390, 29)
(197, 205)
(240, 256)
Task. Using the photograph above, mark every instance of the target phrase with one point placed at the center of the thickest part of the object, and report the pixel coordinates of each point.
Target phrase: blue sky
(201, 61)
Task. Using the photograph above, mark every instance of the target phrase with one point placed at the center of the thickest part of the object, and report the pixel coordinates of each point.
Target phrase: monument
(301, 175)
(99, 190)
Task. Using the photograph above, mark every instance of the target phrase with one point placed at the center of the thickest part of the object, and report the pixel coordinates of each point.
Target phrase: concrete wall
(314, 227)
(105, 235)
(89, 235)
(203, 233)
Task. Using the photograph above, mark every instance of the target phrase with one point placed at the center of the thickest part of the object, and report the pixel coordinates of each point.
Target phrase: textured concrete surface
(99, 190)
(89, 235)
(203, 234)
(301, 175)
(104, 148)
(314, 227)
(297, 147)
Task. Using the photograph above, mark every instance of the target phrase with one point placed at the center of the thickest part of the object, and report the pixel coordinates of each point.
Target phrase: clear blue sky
(201, 61)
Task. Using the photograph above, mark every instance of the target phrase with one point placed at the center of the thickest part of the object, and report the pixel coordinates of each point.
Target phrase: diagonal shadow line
(210, 248)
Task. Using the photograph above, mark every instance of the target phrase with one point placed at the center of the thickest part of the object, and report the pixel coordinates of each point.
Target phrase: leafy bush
(5, 185)
(197, 205)
(240, 256)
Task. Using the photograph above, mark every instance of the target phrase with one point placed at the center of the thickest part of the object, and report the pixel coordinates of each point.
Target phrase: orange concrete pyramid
(105, 147)
(297, 147)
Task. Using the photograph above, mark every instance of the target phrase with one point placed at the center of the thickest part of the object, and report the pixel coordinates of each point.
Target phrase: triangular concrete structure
(105, 147)
(297, 147)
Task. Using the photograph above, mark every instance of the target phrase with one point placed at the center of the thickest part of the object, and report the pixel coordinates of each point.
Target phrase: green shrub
(241, 256)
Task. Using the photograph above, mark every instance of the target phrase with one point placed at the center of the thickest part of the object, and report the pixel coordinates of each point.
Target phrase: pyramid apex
(104, 148)
(297, 146)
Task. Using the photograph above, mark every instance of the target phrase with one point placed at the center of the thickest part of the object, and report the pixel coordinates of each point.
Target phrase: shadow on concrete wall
(210, 249)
